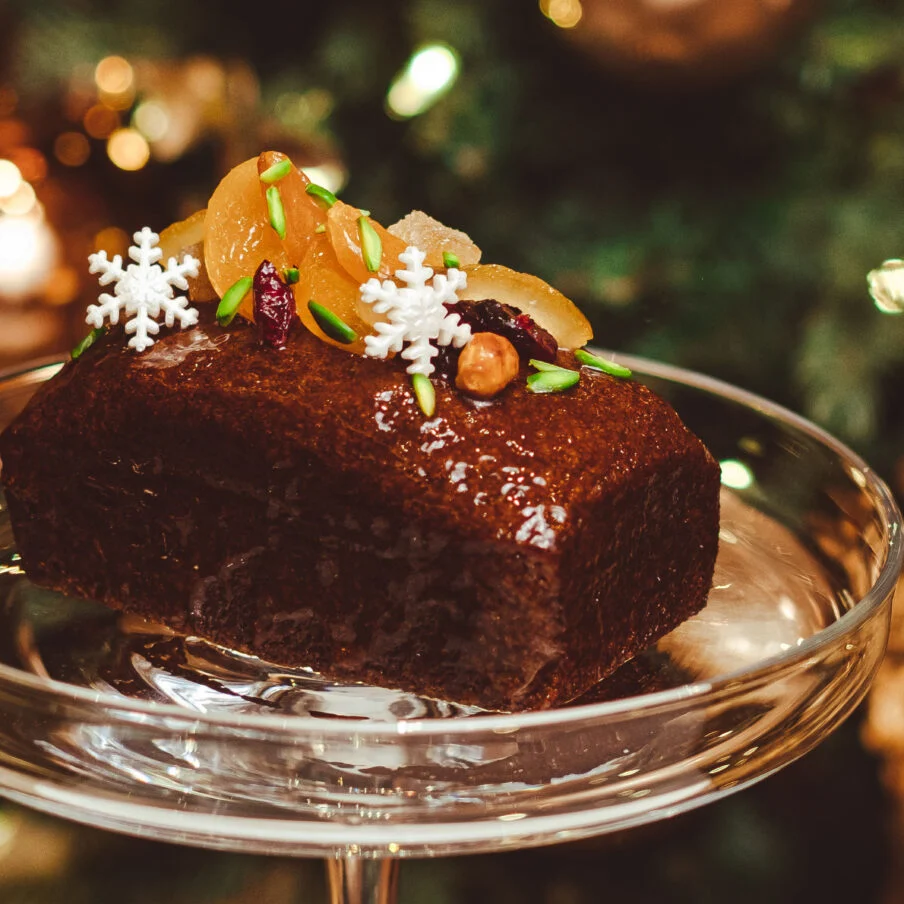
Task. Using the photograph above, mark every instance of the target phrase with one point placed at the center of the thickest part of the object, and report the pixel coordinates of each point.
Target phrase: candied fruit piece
(177, 238)
(303, 213)
(321, 279)
(239, 235)
(435, 238)
(532, 296)
(187, 237)
(345, 235)
(490, 316)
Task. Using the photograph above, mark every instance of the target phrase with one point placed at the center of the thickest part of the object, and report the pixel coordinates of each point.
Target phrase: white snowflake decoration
(143, 290)
(417, 313)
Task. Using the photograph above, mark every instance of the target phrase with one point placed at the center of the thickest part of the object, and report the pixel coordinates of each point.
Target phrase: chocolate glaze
(298, 505)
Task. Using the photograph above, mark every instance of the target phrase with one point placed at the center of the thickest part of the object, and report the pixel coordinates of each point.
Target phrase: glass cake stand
(120, 724)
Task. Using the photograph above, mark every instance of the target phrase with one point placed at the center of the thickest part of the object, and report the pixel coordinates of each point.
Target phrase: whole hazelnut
(487, 364)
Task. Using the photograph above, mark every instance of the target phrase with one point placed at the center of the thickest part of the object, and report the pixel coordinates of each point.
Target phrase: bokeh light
(10, 178)
(205, 78)
(152, 119)
(31, 162)
(100, 121)
(115, 81)
(27, 254)
(128, 149)
(564, 13)
(62, 286)
(21, 202)
(430, 73)
(71, 148)
(113, 240)
(114, 75)
(736, 474)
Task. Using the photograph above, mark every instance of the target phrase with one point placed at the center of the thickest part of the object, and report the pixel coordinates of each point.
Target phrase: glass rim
(641, 704)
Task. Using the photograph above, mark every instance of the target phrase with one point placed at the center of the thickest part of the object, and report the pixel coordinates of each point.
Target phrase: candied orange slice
(323, 280)
(239, 235)
(548, 307)
(345, 234)
(436, 239)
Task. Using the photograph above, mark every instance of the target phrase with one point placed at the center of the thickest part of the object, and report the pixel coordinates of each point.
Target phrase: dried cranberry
(489, 316)
(274, 305)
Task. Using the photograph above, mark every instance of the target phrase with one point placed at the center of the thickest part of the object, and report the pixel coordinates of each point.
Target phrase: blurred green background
(711, 180)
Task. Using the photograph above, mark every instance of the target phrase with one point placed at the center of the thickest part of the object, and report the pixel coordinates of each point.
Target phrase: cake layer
(297, 504)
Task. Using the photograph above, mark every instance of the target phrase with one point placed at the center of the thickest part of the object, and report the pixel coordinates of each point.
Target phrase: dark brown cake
(298, 505)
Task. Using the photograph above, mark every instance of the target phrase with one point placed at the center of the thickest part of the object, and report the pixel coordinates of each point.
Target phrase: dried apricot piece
(348, 230)
(302, 213)
(324, 281)
(238, 234)
(531, 295)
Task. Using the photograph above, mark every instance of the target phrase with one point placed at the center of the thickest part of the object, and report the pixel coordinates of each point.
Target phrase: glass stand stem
(354, 880)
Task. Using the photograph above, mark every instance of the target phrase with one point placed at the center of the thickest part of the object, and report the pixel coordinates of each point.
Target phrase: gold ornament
(690, 39)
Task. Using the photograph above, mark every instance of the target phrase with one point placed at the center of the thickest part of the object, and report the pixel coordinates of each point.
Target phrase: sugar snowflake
(418, 320)
(143, 290)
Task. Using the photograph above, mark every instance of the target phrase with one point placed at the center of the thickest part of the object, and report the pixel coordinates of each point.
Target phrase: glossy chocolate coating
(298, 505)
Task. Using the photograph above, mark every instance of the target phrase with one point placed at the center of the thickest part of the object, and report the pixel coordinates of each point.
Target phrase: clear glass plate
(121, 724)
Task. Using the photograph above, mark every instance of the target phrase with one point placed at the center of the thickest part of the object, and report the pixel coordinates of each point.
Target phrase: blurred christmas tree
(718, 216)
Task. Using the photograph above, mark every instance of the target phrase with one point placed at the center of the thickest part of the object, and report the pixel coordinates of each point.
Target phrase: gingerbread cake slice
(298, 505)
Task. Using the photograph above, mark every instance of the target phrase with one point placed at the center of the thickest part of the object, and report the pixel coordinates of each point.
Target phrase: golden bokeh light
(31, 162)
(27, 254)
(112, 240)
(564, 13)
(10, 178)
(71, 148)
(114, 75)
(21, 202)
(128, 149)
(205, 78)
(62, 287)
(100, 121)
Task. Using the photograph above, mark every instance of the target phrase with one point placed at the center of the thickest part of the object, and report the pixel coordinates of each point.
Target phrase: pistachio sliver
(547, 366)
(424, 393)
(371, 244)
(324, 197)
(86, 343)
(552, 381)
(277, 171)
(232, 298)
(276, 211)
(331, 324)
(582, 356)
(450, 259)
